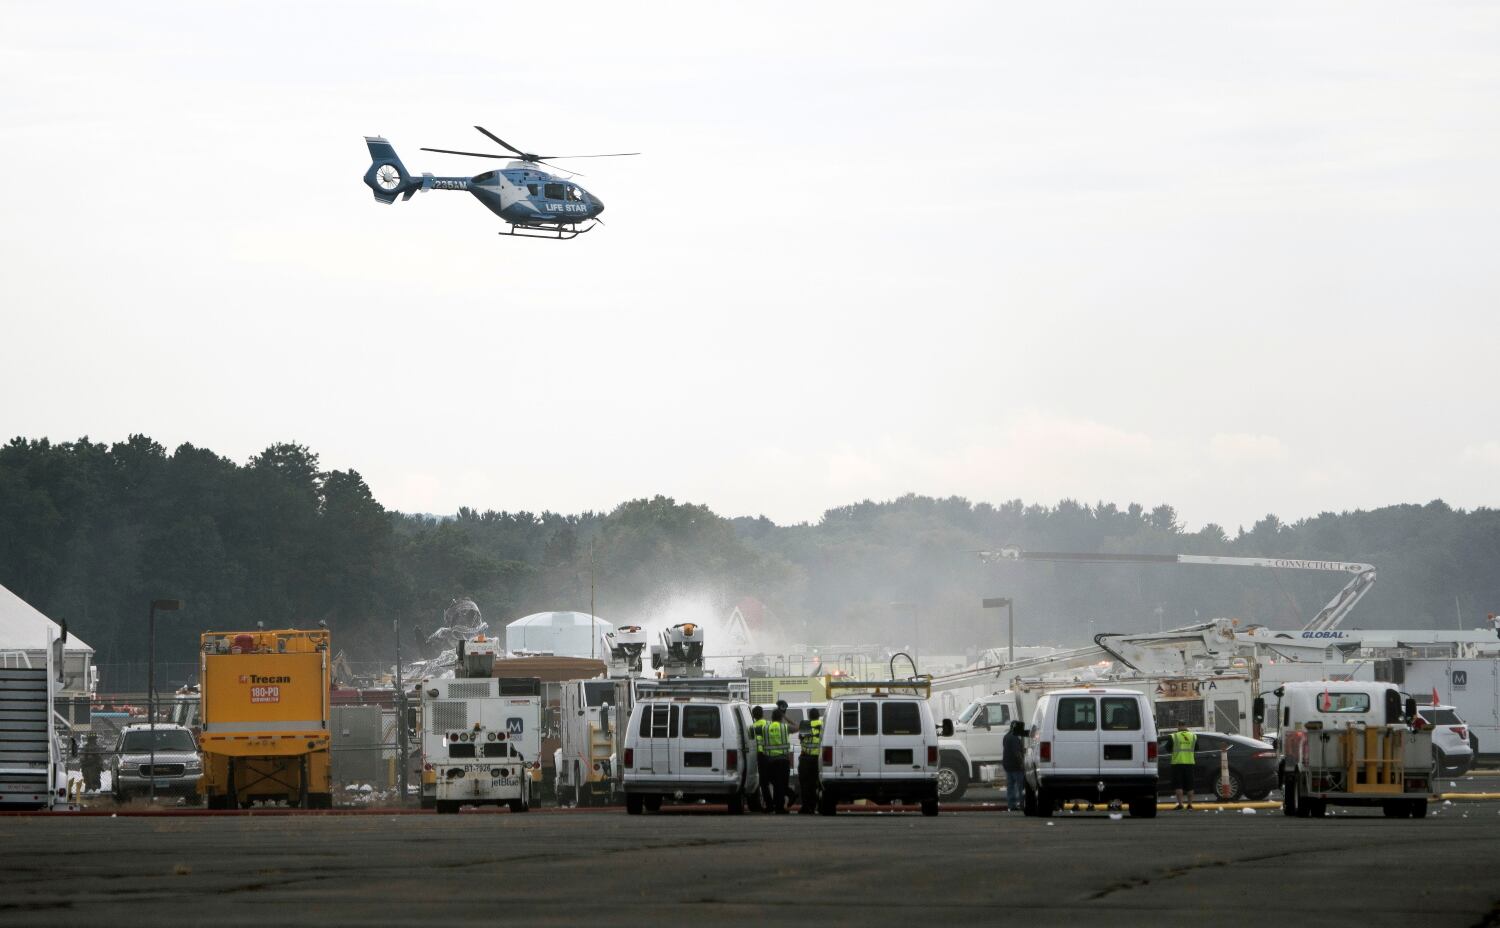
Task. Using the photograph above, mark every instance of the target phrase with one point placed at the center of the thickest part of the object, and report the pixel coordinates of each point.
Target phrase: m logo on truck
(1460, 678)
(514, 726)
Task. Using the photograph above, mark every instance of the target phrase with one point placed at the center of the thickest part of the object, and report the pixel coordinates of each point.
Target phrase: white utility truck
(589, 716)
(481, 737)
(1353, 744)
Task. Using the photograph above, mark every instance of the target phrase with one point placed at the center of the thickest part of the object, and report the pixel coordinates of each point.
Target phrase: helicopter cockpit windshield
(574, 194)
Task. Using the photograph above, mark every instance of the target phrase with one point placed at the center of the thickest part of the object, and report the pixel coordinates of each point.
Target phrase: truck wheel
(1418, 808)
(1045, 804)
(929, 807)
(1143, 807)
(634, 803)
(447, 807)
(1289, 804)
(518, 806)
(1316, 808)
(737, 803)
(1028, 801)
(1394, 808)
(952, 778)
(653, 803)
(827, 804)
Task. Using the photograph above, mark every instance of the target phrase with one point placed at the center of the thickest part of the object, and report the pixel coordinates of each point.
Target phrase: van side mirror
(1411, 709)
(604, 718)
(947, 730)
(1258, 710)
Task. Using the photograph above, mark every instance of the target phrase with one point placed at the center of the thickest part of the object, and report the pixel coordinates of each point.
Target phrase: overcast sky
(1240, 258)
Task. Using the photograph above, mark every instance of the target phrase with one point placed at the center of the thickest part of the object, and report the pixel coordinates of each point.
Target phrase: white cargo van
(879, 744)
(1095, 744)
(688, 747)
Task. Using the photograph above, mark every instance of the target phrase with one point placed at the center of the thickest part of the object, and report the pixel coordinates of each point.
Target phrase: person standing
(807, 765)
(1184, 759)
(92, 763)
(779, 758)
(758, 728)
(1013, 762)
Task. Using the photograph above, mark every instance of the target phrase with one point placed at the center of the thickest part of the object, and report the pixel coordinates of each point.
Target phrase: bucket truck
(591, 712)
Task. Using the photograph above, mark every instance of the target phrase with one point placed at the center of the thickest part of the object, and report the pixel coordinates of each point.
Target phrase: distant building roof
(565, 634)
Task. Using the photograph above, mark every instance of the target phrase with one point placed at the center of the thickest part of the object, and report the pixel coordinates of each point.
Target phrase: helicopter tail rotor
(387, 177)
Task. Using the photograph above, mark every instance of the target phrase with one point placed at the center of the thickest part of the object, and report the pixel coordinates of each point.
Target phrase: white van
(881, 746)
(1094, 744)
(688, 747)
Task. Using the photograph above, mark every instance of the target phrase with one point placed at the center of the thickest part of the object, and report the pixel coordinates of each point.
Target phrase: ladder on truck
(915, 686)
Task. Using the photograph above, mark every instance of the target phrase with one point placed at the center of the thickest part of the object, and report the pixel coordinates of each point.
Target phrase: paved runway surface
(606, 868)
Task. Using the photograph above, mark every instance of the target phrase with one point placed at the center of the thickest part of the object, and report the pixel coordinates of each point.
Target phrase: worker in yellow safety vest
(1184, 759)
(807, 764)
(758, 728)
(779, 758)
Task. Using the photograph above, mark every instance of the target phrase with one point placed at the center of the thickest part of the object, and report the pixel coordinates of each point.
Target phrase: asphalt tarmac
(606, 868)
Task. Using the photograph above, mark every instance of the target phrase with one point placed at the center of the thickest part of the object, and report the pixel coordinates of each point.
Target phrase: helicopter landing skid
(556, 233)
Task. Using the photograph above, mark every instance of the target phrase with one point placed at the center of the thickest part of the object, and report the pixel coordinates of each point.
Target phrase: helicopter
(535, 203)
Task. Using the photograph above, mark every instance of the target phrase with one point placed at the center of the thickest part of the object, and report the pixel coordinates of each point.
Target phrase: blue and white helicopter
(536, 204)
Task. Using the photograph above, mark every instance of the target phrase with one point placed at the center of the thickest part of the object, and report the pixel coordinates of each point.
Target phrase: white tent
(564, 634)
(24, 628)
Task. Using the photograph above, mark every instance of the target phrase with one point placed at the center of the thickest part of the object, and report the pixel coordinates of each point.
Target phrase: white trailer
(1471, 686)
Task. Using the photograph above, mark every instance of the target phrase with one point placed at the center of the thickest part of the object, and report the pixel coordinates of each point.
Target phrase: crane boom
(1328, 618)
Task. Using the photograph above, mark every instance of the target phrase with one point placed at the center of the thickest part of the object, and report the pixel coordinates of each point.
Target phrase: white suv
(879, 746)
(1450, 739)
(1094, 744)
(688, 747)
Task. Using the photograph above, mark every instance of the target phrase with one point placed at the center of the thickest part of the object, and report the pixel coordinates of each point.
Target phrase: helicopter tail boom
(387, 177)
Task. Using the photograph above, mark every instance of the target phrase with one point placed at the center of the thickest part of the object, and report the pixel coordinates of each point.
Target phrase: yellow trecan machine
(265, 718)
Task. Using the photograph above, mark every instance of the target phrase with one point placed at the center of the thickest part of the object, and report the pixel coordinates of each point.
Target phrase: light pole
(402, 757)
(165, 605)
(1010, 616)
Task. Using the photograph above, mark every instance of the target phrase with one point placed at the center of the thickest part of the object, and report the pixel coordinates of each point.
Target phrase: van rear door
(1075, 743)
(902, 745)
(1122, 747)
(858, 745)
(700, 749)
(655, 737)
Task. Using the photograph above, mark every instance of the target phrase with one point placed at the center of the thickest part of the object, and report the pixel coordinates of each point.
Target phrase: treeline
(91, 533)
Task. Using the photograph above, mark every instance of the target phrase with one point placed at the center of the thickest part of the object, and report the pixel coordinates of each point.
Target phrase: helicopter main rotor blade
(503, 143)
(558, 167)
(471, 154)
(618, 154)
